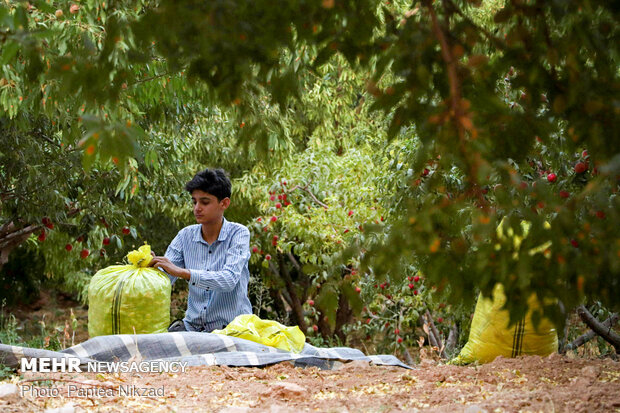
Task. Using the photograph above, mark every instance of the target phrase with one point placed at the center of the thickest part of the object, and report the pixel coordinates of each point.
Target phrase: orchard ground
(528, 384)
(580, 381)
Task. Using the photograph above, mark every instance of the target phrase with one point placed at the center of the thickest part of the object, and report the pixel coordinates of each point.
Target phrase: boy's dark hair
(211, 181)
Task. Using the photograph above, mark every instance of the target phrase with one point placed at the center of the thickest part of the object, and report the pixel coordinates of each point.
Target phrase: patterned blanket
(196, 349)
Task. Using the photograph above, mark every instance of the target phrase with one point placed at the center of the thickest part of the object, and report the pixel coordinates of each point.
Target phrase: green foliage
(451, 120)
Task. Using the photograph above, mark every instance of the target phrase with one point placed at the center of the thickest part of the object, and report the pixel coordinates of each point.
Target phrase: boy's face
(207, 209)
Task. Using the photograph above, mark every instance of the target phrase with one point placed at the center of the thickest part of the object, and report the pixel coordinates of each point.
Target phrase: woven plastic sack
(490, 335)
(267, 332)
(129, 299)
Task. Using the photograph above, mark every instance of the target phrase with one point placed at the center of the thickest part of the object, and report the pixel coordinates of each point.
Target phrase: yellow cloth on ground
(267, 332)
(129, 299)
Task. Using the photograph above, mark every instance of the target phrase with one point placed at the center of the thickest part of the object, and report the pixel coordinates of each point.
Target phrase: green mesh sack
(129, 299)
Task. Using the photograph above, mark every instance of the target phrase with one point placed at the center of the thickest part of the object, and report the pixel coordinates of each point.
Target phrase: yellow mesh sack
(267, 332)
(128, 299)
(490, 335)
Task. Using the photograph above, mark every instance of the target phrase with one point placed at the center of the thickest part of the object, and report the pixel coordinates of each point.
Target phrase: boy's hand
(166, 265)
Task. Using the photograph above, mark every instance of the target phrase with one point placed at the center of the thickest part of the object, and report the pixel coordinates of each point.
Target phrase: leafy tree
(485, 110)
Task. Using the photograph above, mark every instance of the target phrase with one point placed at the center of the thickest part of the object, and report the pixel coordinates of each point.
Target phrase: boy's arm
(173, 262)
(237, 257)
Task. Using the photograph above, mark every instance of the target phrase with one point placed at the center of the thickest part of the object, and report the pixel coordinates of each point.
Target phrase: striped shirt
(218, 284)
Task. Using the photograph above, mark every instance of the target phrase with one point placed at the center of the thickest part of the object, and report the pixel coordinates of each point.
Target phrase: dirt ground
(526, 384)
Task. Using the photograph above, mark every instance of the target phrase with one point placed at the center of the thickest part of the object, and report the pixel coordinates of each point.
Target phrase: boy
(212, 256)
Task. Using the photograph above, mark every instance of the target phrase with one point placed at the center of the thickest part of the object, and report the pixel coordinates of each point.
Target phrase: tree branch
(606, 332)
(434, 335)
(294, 262)
(311, 195)
(457, 111)
(24, 231)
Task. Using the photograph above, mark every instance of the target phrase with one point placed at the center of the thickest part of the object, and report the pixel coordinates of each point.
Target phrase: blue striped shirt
(218, 284)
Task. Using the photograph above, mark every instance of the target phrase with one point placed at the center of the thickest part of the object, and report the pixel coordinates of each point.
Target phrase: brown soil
(527, 384)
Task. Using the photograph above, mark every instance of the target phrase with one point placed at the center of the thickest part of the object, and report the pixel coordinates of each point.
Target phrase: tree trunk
(453, 337)
(606, 332)
(292, 292)
(343, 316)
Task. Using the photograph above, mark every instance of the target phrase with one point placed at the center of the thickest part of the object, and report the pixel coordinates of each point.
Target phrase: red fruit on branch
(425, 172)
(600, 214)
(58, 13)
(311, 303)
(284, 183)
(564, 194)
(574, 243)
(80, 239)
(106, 241)
(102, 252)
(416, 278)
(255, 249)
(278, 205)
(84, 253)
(74, 8)
(69, 247)
(440, 320)
(415, 292)
(47, 222)
(552, 177)
(584, 154)
(399, 340)
(358, 290)
(581, 167)
(315, 328)
(350, 213)
(396, 331)
(267, 257)
(272, 198)
(259, 219)
(126, 230)
(411, 286)
(42, 236)
(274, 218)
